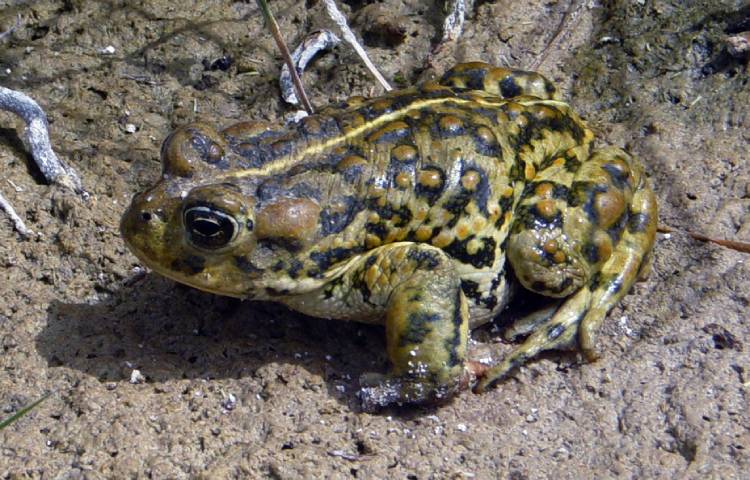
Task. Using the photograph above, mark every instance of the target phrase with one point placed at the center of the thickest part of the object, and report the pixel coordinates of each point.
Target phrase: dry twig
(743, 247)
(348, 35)
(276, 32)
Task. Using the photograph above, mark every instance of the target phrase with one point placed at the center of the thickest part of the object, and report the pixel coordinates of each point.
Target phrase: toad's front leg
(416, 289)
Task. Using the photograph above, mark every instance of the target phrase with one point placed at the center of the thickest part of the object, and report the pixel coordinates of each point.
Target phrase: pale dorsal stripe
(283, 163)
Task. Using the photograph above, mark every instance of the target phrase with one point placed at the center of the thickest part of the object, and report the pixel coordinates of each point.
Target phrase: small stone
(137, 377)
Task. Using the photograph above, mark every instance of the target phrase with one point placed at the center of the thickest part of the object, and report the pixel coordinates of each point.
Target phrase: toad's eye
(209, 228)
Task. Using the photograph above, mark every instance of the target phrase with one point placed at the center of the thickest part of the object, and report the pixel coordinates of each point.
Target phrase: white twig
(17, 222)
(37, 135)
(314, 43)
(348, 35)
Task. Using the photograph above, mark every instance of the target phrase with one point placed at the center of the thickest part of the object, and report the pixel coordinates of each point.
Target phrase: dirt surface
(234, 390)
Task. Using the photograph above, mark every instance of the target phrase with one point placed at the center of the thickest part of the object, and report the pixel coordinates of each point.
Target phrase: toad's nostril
(146, 216)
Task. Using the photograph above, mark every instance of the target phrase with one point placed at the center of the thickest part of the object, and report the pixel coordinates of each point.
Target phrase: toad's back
(423, 191)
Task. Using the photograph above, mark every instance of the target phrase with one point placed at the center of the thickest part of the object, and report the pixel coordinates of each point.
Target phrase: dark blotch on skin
(272, 292)
(255, 155)
(509, 88)
(295, 267)
(490, 149)
(386, 213)
(316, 127)
(529, 217)
(595, 281)
(453, 344)
(615, 231)
(332, 222)
(425, 259)
(377, 229)
(559, 191)
(481, 193)
(417, 328)
(505, 206)
(591, 253)
(396, 166)
(277, 187)
(549, 87)
(488, 113)
(583, 194)
(536, 127)
(515, 173)
(353, 173)
(190, 265)
(474, 78)
(451, 131)
(247, 266)
(619, 178)
(471, 291)
(638, 222)
(370, 261)
(360, 285)
(572, 165)
(484, 257)
(277, 243)
(431, 194)
(541, 287)
(202, 144)
(390, 137)
(332, 286)
(457, 205)
(329, 257)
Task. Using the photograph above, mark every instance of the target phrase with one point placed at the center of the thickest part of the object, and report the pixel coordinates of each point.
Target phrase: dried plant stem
(348, 35)
(17, 222)
(274, 27)
(568, 23)
(731, 244)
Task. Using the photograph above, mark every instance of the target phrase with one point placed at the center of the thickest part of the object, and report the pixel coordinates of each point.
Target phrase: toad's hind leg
(591, 253)
(426, 324)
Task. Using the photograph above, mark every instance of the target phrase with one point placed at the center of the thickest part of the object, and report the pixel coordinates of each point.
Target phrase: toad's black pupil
(208, 227)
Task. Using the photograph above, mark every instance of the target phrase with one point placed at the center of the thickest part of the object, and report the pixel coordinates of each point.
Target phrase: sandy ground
(236, 390)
